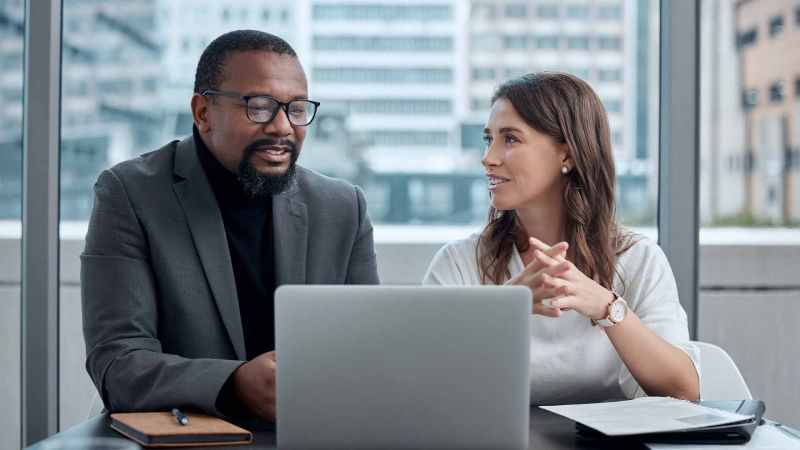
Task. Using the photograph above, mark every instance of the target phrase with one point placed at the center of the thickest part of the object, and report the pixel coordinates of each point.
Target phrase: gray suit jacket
(160, 313)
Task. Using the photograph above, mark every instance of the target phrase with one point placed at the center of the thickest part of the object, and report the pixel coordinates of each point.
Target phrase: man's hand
(254, 384)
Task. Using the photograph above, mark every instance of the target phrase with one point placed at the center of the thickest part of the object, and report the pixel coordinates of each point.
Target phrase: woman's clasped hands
(559, 286)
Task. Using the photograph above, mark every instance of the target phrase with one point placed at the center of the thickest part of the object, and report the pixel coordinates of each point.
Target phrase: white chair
(720, 379)
(96, 407)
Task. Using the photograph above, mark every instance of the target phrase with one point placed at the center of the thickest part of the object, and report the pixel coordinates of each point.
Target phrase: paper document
(646, 415)
(766, 437)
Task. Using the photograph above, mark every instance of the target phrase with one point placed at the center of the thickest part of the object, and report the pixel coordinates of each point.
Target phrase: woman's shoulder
(638, 248)
(465, 245)
(455, 263)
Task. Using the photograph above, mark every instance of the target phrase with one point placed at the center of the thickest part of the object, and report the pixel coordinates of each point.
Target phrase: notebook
(160, 429)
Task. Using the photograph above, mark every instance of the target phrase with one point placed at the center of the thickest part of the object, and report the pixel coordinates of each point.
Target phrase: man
(186, 244)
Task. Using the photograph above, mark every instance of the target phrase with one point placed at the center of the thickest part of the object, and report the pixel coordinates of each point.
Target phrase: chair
(720, 379)
(96, 407)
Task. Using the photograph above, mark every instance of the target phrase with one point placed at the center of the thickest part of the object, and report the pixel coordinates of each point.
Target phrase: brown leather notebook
(160, 429)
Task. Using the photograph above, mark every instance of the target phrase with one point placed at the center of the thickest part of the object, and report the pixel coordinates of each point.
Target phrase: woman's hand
(563, 286)
(532, 275)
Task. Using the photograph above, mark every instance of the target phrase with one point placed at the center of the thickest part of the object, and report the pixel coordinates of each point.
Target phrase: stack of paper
(647, 415)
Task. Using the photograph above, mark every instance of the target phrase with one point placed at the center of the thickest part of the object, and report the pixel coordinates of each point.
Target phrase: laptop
(403, 367)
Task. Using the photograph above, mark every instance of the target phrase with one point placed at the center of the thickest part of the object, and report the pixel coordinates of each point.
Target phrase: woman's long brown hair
(565, 108)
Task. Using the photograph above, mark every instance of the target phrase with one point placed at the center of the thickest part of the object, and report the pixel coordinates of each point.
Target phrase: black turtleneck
(248, 228)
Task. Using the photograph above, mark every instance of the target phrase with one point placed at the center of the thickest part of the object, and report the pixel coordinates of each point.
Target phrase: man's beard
(257, 184)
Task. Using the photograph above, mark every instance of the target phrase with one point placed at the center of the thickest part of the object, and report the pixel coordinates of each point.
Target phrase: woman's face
(523, 165)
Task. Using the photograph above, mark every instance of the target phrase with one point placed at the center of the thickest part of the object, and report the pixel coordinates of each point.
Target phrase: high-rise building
(768, 36)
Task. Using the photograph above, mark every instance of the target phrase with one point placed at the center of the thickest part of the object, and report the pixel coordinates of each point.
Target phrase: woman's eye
(487, 140)
(511, 139)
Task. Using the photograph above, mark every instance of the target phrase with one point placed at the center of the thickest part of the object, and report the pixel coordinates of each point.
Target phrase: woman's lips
(494, 182)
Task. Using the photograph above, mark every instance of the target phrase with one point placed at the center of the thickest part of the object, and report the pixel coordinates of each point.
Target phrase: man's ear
(200, 113)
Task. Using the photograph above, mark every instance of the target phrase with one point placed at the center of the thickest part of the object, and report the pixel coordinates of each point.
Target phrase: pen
(180, 417)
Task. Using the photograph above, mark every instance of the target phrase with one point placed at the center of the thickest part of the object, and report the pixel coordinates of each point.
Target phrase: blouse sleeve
(444, 269)
(651, 292)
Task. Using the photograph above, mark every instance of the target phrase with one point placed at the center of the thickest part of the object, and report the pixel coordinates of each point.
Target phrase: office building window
(516, 11)
(515, 42)
(546, 42)
(383, 13)
(265, 14)
(408, 138)
(483, 10)
(609, 75)
(381, 75)
(748, 38)
(486, 42)
(580, 72)
(613, 106)
(776, 92)
(776, 26)
(399, 107)
(609, 43)
(547, 11)
(609, 11)
(578, 11)
(483, 73)
(578, 42)
(750, 98)
(383, 44)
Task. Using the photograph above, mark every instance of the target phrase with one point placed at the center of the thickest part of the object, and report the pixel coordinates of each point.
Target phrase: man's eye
(297, 111)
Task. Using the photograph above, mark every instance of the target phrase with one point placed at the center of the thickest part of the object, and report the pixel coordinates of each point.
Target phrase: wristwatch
(615, 313)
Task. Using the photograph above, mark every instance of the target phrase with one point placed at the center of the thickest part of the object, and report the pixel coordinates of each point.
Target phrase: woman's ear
(566, 160)
(200, 113)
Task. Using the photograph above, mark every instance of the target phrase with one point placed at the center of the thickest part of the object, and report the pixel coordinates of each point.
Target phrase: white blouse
(571, 360)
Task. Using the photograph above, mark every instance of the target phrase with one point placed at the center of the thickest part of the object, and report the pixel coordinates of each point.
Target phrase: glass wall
(12, 36)
(404, 89)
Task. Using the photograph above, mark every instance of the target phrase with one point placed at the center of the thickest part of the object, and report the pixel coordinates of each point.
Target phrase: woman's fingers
(557, 251)
(545, 309)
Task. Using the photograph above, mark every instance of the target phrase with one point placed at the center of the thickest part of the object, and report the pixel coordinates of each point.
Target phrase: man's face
(263, 155)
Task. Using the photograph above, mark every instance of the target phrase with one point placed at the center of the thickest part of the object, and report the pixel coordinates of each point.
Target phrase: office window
(738, 107)
(483, 10)
(516, 11)
(578, 11)
(609, 43)
(400, 107)
(265, 14)
(12, 37)
(407, 138)
(546, 42)
(382, 12)
(750, 98)
(776, 92)
(747, 38)
(483, 73)
(609, 11)
(515, 42)
(381, 75)
(383, 44)
(578, 42)
(613, 106)
(609, 75)
(776, 26)
(547, 11)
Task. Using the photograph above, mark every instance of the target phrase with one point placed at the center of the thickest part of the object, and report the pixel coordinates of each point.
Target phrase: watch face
(617, 311)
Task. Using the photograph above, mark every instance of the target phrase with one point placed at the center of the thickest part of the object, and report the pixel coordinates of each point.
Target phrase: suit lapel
(290, 225)
(208, 232)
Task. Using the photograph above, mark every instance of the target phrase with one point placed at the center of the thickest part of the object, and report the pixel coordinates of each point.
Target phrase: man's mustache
(287, 144)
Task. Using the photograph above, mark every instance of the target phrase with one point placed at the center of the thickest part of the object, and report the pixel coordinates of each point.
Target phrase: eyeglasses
(262, 108)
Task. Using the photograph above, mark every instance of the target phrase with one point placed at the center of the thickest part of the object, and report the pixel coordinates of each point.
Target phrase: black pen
(180, 417)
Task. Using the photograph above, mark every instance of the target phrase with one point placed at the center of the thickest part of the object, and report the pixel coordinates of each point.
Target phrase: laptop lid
(402, 367)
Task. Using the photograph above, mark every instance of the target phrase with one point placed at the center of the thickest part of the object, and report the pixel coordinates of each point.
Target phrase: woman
(606, 320)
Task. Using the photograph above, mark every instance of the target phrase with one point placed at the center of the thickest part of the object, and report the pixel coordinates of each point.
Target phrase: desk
(549, 431)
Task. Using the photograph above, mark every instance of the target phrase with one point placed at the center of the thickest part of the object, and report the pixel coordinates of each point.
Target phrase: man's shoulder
(148, 166)
(313, 184)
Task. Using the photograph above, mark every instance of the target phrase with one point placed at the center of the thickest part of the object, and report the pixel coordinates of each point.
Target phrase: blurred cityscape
(405, 90)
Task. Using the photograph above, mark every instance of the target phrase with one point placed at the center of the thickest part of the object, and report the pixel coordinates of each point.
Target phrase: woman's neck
(545, 221)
